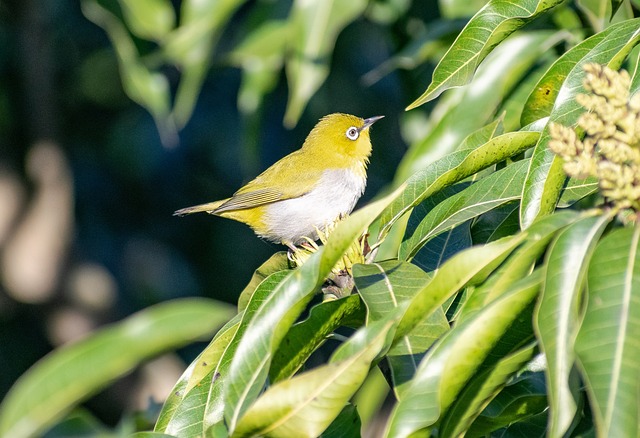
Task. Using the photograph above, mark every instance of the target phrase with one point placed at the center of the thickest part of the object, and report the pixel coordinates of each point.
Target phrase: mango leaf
(556, 318)
(488, 28)
(315, 28)
(545, 177)
(606, 345)
(481, 390)
(470, 108)
(149, 19)
(469, 267)
(184, 408)
(522, 399)
(495, 224)
(490, 192)
(74, 372)
(306, 404)
(444, 246)
(520, 263)
(577, 189)
(482, 135)
(386, 286)
(455, 358)
(277, 262)
(347, 423)
(190, 46)
(261, 56)
(635, 77)
(249, 367)
(543, 95)
(147, 88)
(200, 403)
(451, 169)
(306, 336)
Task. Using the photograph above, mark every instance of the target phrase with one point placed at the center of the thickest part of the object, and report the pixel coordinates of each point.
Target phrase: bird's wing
(291, 183)
(240, 201)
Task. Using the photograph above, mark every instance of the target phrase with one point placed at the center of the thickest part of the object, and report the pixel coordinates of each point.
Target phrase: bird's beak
(370, 121)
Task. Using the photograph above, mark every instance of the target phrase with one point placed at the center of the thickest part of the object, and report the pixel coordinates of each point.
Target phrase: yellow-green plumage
(308, 188)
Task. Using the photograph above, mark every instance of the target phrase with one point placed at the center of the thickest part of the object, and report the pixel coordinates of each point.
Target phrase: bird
(307, 190)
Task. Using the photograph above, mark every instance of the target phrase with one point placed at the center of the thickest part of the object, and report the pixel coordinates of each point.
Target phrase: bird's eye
(353, 133)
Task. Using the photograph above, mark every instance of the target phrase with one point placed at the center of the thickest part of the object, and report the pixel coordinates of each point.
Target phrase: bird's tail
(209, 208)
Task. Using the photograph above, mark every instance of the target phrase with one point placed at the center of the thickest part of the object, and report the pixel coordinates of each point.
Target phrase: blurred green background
(88, 187)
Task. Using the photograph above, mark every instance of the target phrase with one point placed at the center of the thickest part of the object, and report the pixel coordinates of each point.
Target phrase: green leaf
(306, 336)
(306, 404)
(184, 408)
(488, 28)
(481, 390)
(543, 95)
(149, 19)
(468, 267)
(545, 177)
(520, 400)
(444, 246)
(495, 224)
(463, 111)
(261, 56)
(454, 359)
(490, 192)
(249, 367)
(72, 373)
(200, 402)
(315, 28)
(557, 314)
(482, 135)
(147, 88)
(190, 46)
(520, 263)
(451, 169)
(577, 189)
(277, 262)
(607, 343)
(385, 287)
(346, 424)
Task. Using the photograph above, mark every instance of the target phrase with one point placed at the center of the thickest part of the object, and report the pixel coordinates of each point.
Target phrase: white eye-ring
(353, 133)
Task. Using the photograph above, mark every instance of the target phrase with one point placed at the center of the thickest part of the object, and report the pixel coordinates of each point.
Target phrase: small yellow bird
(306, 190)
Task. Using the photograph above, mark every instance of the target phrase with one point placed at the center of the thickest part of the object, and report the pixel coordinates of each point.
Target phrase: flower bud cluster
(610, 149)
(340, 281)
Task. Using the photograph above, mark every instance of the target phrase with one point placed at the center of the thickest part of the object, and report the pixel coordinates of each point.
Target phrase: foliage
(500, 295)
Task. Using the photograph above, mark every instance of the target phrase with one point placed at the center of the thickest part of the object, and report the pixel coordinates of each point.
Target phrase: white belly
(336, 194)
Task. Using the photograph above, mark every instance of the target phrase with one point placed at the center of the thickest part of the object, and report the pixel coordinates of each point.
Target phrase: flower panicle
(610, 149)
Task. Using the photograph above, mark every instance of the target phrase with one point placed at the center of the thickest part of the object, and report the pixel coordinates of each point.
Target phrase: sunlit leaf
(454, 359)
(557, 313)
(606, 346)
(74, 372)
(384, 287)
(481, 390)
(490, 192)
(306, 336)
(520, 263)
(315, 28)
(472, 107)
(488, 28)
(306, 404)
(453, 168)
(277, 262)
(150, 19)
